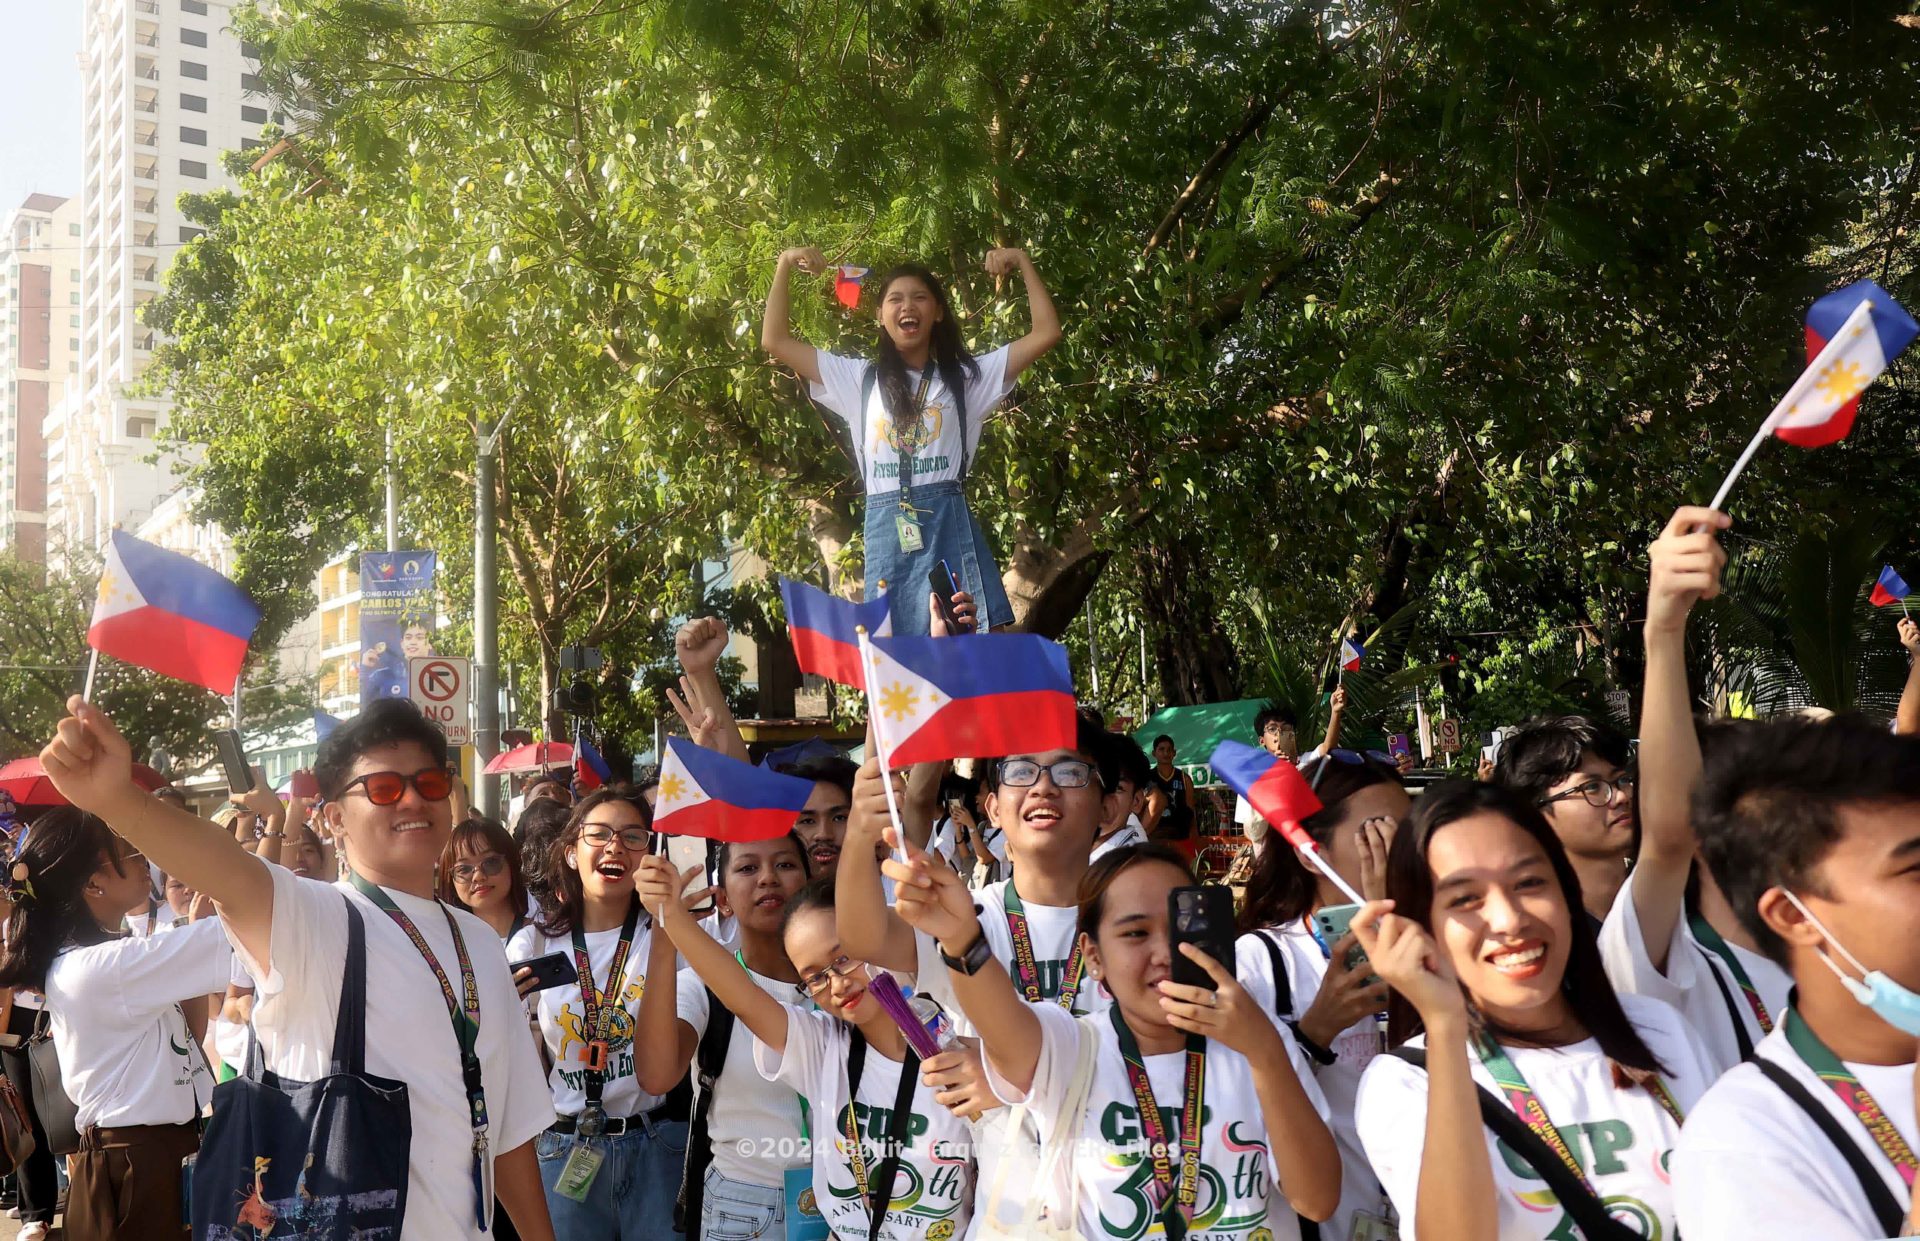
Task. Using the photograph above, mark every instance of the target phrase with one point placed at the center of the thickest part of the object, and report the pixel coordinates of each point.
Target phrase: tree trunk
(1195, 657)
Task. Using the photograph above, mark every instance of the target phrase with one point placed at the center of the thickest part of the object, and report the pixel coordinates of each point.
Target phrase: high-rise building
(39, 344)
(169, 88)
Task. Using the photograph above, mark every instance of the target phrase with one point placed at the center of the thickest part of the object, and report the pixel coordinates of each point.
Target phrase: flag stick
(1860, 316)
(1312, 853)
(882, 750)
(93, 666)
(236, 700)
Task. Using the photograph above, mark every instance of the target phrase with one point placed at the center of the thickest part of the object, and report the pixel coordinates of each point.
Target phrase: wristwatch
(974, 959)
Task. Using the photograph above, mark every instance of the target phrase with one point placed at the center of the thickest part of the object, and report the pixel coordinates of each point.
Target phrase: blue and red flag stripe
(171, 614)
(823, 626)
(993, 694)
(703, 793)
(1891, 588)
(1273, 786)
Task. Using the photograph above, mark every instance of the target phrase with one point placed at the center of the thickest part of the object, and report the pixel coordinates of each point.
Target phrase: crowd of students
(1611, 992)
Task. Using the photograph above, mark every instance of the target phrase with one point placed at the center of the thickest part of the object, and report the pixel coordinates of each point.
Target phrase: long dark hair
(480, 836)
(1591, 995)
(46, 909)
(1100, 876)
(947, 353)
(1281, 889)
(569, 901)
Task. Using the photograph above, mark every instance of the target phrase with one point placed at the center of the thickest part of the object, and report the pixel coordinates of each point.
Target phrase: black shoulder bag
(880, 1192)
(707, 1062)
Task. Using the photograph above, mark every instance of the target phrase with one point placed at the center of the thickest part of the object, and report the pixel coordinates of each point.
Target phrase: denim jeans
(948, 532)
(736, 1211)
(632, 1195)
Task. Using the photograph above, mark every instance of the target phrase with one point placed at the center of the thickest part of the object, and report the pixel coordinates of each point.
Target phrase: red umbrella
(25, 780)
(531, 758)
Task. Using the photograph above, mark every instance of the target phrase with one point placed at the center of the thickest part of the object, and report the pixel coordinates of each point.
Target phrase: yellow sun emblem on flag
(672, 788)
(1841, 380)
(897, 701)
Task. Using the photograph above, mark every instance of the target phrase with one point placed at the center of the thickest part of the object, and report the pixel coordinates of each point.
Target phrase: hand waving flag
(171, 614)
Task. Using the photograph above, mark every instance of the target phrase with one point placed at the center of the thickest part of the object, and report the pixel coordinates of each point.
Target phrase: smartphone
(686, 851)
(233, 760)
(1333, 922)
(552, 970)
(1201, 915)
(945, 586)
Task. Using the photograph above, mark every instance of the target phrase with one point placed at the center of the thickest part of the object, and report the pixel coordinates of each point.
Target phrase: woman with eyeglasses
(829, 1040)
(1323, 988)
(480, 872)
(611, 1162)
(135, 1074)
(1529, 1100)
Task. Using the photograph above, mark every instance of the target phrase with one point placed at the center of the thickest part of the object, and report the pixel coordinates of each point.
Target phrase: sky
(39, 99)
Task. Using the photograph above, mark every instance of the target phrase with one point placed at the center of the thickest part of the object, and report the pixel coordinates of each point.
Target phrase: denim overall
(948, 532)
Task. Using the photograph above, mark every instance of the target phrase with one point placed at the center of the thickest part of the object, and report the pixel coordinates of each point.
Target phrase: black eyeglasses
(1024, 773)
(633, 839)
(814, 984)
(1597, 792)
(386, 788)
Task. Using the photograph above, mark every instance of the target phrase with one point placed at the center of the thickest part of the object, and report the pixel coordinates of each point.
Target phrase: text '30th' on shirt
(1110, 1165)
(563, 1019)
(409, 1035)
(933, 1191)
(1696, 981)
(1621, 1138)
(1752, 1164)
(938, 452)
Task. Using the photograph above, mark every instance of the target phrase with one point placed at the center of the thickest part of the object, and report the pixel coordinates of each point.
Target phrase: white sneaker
(13, 1212)
(33, 1232)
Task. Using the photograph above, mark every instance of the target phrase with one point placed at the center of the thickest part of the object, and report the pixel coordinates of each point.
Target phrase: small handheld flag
(706, 794)
(1891, 588)
(824, 631)
(934, 698)
(1853, 334)
(170, 614)
(1278, 792)
(846, 285)
(1351, 653)
(590, 771)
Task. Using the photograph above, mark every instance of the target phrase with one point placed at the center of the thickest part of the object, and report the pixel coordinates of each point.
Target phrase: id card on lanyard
(583, 1161)
(905, 528)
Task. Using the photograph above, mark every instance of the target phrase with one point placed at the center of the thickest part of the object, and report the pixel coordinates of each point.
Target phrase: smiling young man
(822, 825)
(1813, 831)
(385, 780)
(1575, 770)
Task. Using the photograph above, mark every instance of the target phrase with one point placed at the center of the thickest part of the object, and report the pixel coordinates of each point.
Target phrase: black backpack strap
(1733, 1012)
(708, 1059)
(1880, 1200)
(1576, 1197)
(1282, 984)
(350, 1025)
(889, 1169)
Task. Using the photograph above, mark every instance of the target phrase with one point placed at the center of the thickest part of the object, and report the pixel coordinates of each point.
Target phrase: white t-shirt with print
(409, 1035)
(1752, 1164)
(126, 1056)
(1688, 983)
(563, 1019)
(935, 1185)
(1052, 929)
(1111, 1167)
(1622, 1139)
(940, 455)
(747, 1108)
(1355, 1047)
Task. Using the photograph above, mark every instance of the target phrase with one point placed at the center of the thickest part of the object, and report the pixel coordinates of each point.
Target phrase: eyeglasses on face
(386, 788)
(841, 966)
(491, 867)
(1024, 773)
(632, 839)
(1597, 792)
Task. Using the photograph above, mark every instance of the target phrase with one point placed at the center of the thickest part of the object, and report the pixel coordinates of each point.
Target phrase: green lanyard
(903, 450)
(1028, 969)
(464, 1011)
(1176, 1208)
(1710, 940)
(1527, 1105)
(1836, 1076)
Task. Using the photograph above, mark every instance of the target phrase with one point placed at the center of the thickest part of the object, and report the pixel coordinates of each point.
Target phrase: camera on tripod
(577, 695)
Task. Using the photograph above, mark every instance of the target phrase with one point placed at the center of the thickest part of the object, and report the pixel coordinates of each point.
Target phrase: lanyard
(1710, 940)
(1835, 1075)
(1028, 970)
(1526, 1104)
(464, 1011)
(903, 450)
(1176, 1209)
(596, 1005)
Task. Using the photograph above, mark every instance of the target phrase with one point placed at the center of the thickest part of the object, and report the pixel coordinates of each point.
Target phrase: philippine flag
(995, 694)
(166, 612)
(710, 795)
(846, 285)
(822, 627)
(590, 771)
(1891, 588)
(1272, 786)
(1852, 334)
(1351, 653)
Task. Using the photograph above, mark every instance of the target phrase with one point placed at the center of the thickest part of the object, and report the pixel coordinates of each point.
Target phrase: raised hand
(1684, 566)
(662, 889)
(1374, 837)
(963, 611)
(700, 643)
(90, 762)
(1405, 956)
(1347, 994)
(1004, 261)
(931, 898)
(690, 705)
(808, 259)
(959, 1079)
(1225, 1013)
(1910, 636)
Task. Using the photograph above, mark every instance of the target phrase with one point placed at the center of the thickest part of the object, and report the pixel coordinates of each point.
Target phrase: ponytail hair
(948, 354)
(45, 906)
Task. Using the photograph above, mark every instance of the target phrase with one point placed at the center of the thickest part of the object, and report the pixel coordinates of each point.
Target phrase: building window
(73, 320)
(73, 299)
(188, 69)
(193, 103)
(249, 50)
(193, 38)
(194, 6)
(253, 115)
(193, 168)
(248, 144)
(196, 137)
(73, 342)
(73, 230)
(188, 233)
(251, 82)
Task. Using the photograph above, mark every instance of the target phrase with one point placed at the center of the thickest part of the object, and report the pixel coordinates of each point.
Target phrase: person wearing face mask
(914, 416)
(1527, 1098)
(1812, 829)
(611, 1161)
